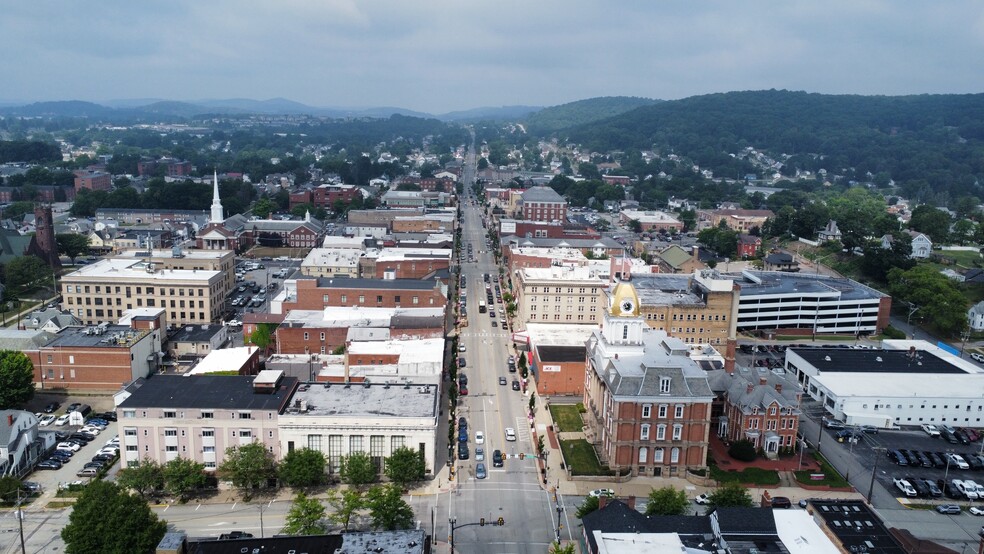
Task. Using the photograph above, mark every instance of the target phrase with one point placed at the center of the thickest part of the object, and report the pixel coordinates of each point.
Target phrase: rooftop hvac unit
(422, 390)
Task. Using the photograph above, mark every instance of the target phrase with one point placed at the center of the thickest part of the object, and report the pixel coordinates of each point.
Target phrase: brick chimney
(630, 502)
(778, 387)
(763, 381)
(750, 388)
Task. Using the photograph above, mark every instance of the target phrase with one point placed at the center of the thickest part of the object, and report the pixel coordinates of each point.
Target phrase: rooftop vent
(826, 358)
(878, 359)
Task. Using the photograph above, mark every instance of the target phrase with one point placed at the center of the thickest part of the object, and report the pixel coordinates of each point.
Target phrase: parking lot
(51, 479)
(257, 282)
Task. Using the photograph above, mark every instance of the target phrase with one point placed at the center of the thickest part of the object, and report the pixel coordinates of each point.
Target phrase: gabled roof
(675, 256)
(615, 517)
(542, 194)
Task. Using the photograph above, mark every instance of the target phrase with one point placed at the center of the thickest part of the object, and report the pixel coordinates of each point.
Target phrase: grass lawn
(751, 476)
(567, 417)
(582, 458)
(831, 477)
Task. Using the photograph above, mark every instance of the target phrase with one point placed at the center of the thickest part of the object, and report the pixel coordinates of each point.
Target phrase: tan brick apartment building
(700, 308)
(649, 404)
(742, 221)
(560, 295)
(101, 292)
(317, 294)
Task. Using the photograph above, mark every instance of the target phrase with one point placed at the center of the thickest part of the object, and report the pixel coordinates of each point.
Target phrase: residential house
(829, 233)
(51, 320)
(757, 408)
(675, 259)
(781, 261)
(21, 443)
(748, 245)
(975, 316)
(196, 340)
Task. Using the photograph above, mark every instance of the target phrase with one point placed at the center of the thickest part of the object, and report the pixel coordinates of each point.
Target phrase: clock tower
(622, 323)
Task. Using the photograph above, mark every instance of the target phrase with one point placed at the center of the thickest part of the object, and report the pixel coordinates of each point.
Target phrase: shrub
(743, 451)
(893, 333)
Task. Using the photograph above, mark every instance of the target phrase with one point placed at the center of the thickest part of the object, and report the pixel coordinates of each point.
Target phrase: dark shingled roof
(746, 521)
(856, 527)
(617, 517)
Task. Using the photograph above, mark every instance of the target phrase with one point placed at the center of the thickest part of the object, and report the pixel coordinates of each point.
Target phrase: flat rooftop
(134, 269)
(360, 400)
(561, 334)
(220, 392)
(110, 336)
(360, 316)
(666, 289)
(847, 360)
(374, 284)
(167, 253)
(856, 527)
(224, 359)
(772, 283)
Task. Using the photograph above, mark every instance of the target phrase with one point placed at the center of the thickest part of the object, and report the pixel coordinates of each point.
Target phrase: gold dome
(625, 301)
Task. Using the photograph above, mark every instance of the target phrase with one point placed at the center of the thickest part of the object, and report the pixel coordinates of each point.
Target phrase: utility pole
(20, 521)
(874, 471)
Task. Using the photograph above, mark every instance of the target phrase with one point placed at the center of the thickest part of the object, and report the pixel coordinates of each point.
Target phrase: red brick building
(324, 196)
(323, 331)
(748, 245)
(558, 354)
(760, 411)
(648, 403)
(543, 204)
(545, 229)
(172, 167)
(320, 293)
(410, 263)
(92, 180)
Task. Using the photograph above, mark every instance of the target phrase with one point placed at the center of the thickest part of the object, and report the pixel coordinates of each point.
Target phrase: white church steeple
(217, 215)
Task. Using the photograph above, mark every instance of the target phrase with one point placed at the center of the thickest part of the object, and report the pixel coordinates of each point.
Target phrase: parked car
(957, 460)
(833, 424)
(897, 457)
(480, 472)
(930, 429)
(104, 457)
(68, 446)
(934, 491)
(702, 499)
(94, 465)
(51, 407)
(479, 437)
(515, 384)
(87, 472)
(46, 420)
(462, 450)
(502, 380)
(977, 357)
(781, 502)
(951, 509)
(497, 458)
(602, 492)
(905, 487)
(49, 464)
(62, 420)
(479, 454)
(977, 510)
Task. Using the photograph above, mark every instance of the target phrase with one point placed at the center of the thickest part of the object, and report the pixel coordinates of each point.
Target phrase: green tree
(358, 470)
(106, 519)
(72, 245)
(345, 504)
(16, 379)
(730, 495)
(589, 505)
(27, 272)
(938, 297)
(182, 476)
(303, 468)
(405, 466)
(932, 221)
(306, 517)
(145, 477)
(262, 336)
(248, 466)
(10, 489)
(387, 508)
(263, 207)
(667, 501)
(743, 450)
(635, 226)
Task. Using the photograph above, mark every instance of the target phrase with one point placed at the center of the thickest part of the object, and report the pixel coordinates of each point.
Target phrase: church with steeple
(648, 403)
(220, 233)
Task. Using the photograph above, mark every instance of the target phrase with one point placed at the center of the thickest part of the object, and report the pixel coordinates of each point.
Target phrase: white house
(922, 246)
(975, 316)
(21, 444)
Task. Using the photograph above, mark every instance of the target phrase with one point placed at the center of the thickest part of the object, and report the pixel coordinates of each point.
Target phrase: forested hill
(934, 141)
(583, 111)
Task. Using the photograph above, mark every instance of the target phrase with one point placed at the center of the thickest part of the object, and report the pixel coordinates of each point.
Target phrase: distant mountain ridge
(585, 111)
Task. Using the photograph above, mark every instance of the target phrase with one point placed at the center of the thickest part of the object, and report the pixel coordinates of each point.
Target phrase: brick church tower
(44, 244)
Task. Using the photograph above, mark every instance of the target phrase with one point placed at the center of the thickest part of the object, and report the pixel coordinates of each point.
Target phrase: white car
(62, 420)
(109, 450)
(702, 499)
(234, 323)
(91, 429)
(905, 487)
(479, 437)
(977, 510)
(602, 492)
(510, 434)
(46, 420)
(977, 357)
(957, 460)
(68, 446)
(930, 429)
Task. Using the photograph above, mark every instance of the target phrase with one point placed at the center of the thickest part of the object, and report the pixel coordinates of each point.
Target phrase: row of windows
(558, 290)
(581, 299)
(172, 432)
(556, 317)
(126, 290)
(580, 308)
(660, 432)
(89, 301)
(772, 424)
(362, 299)
(204, 414)
(689, 317)
(658, 455)
(661, 410)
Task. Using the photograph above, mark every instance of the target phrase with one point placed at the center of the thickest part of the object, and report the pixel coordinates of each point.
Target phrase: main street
(512, 492)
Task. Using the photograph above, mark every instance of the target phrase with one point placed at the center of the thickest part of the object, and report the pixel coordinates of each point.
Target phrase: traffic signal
(522, 455)
(481, 522)
(501, 522)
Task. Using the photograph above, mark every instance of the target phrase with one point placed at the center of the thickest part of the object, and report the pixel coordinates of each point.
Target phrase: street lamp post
(947, 471)
(874, 471)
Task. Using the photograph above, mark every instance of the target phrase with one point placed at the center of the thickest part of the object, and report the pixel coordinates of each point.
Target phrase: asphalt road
(512, 492)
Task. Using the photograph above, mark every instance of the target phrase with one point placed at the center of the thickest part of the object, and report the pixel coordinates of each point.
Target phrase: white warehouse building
(904, 383)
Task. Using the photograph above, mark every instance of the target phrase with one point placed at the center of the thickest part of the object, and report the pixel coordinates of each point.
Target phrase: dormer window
(664, 384)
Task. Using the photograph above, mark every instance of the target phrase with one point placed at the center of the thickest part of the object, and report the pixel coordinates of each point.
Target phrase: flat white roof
(638, 543)
(800, 533)
(168, 253)
(332, 257)
(225, 359)
(347, 316)
(130, 268)
(566, 274)
(332, 241)
(901, 385)
(410, 351)
(398, 254)
(561, 334)
(650, 216)
(555, 252)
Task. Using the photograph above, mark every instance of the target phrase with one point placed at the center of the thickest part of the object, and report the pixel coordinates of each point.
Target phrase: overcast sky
(438, 56)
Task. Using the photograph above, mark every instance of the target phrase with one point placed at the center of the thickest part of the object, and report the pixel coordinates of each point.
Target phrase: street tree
(10, 488)
(730, 495)
(358, 470)
(106, 519)
(303, 468)
(16, 379)
(387, 508)
(145, 477)
(306, 517)
(405, 466)
(263, 207)
(345, 504)
(635, 225)
(667, 501)
(182, 476)
(72, 245)
(589, 505)
(556, 548)
(262, 335)
(27, 272)
(248, 466)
